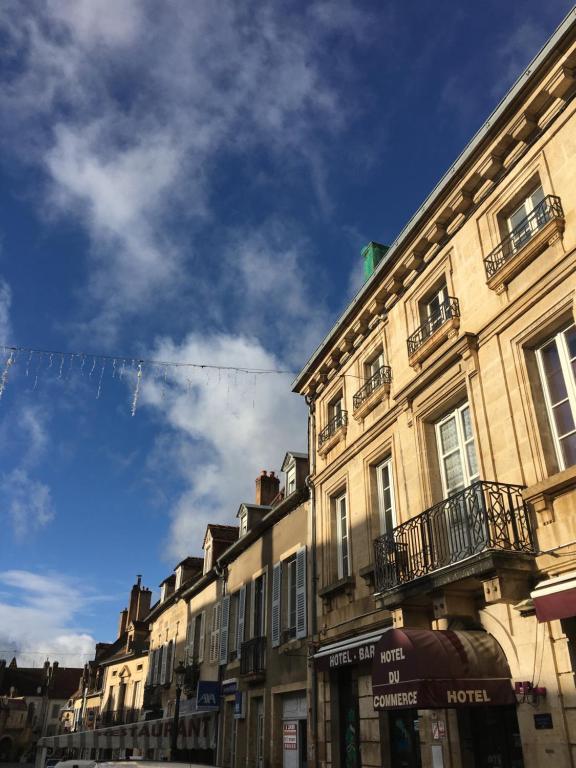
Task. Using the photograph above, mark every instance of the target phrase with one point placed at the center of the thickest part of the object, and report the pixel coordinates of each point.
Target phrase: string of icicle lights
(65, 365)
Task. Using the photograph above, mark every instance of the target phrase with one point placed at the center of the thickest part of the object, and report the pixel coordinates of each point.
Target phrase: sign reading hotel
(427, 669)
(359, 655)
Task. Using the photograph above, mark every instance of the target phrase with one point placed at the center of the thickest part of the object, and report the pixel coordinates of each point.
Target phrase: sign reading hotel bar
(429, 669)
(360, 654)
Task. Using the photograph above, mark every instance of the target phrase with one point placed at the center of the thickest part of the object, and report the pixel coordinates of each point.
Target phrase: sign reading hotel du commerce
(429, 669)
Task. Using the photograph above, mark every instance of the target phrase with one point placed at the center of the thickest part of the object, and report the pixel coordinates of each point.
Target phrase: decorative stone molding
(541, 495)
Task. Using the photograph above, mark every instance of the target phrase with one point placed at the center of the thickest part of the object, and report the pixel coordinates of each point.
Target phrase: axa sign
(208, 695)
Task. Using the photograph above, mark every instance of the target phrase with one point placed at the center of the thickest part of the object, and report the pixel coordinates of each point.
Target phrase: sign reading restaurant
(430, 669)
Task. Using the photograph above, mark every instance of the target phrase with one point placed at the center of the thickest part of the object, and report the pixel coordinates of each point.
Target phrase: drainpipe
(313, 578)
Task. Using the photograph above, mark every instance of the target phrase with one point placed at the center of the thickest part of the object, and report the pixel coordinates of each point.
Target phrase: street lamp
(179, 675)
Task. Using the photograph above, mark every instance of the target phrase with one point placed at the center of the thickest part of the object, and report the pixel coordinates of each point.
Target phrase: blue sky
(193, 181)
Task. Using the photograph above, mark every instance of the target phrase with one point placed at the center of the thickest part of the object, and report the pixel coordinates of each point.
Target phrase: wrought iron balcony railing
(484, 516)
(253, 656)
(382, 376)
(549, 208)
(335, 423)
(446, 311)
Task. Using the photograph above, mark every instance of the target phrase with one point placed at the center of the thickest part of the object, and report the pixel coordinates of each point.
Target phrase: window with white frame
(434, 308)
(386, 499)
(244, 523)
(557, 366)
(342, 537)
(456, 450)
(207, 556)
(291, 480)
(372, 367)
(517, 222)
(335, 407)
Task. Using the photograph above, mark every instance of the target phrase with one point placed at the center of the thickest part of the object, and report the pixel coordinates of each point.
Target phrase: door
(404, 738)
(463, 510)
(259, 705)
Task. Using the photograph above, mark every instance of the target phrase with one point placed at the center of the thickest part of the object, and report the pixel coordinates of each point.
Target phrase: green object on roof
(373, 253)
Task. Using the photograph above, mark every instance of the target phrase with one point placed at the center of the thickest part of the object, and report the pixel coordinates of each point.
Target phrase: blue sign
(239, 713)
(229, 686)
(208, 695)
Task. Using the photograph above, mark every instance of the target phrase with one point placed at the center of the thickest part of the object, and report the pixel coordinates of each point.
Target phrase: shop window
(557, 366)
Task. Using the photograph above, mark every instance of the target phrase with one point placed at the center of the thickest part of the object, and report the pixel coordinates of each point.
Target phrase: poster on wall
(290, 736)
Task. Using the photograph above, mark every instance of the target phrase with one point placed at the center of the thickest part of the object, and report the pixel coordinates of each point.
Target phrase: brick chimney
(133, 604)
(122, 624)
(267, 487)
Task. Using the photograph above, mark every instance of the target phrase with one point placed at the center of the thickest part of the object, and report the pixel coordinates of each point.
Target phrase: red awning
(432, 669)
(555, 598)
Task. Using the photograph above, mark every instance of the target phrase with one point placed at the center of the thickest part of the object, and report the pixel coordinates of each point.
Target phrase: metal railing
(335, 423)
(382, 376)
(484, 516)
(446, 311)
(549, 208)
(253, 656)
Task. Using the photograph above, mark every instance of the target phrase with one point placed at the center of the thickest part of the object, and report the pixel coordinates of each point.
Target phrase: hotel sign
(428, 669)
(361, 654)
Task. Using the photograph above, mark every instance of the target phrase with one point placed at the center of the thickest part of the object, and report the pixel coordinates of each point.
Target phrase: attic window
(207, 557)
(244, 523)
(290, 480)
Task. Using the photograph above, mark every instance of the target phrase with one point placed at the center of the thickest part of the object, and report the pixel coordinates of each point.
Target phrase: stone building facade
(442, 430)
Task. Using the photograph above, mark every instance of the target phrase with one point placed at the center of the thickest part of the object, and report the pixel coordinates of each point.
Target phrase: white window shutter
(276, 592)
(301, 592)
(241, 620)
(215, 633)
(224, 628)
(164, 665)
(201, 641)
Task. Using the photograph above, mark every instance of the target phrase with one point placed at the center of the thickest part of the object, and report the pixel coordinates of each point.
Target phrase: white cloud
(38, 618)
(225, 428)
(27, 502)
(129, 109)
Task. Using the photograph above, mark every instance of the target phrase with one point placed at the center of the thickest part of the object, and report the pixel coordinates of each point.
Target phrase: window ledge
(342, 585)
(291, 645)
(371, 402)
(541, 495)
(367, 573)
(549, 234)
(333, 440)
(447, 330)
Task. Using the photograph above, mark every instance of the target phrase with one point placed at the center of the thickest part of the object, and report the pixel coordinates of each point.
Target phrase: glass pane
(569, 449)
(553, 371)
(466, 423)
(570, 336)
(454, 474)
(537, 197)
(448, 435)
(472, 463)
(564, 418)
(517, 217)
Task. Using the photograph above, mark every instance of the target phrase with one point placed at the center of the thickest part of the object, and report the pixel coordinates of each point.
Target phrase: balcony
(253, 658)
(333, 432)
(534, 233)
(438, 327)
(152, 698)
(372, 392)
(485, 516)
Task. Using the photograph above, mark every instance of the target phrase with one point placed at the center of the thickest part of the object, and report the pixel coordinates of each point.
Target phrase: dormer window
(179, 572)
(291, 480)
(207, 556)
(243, 523)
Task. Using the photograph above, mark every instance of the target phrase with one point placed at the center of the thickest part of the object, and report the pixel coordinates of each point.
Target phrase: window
(335, 408)
(456, 451)
(342, 540)
(207, 556)
(386, 502)
(372, 368)
(136, 695)
(557, 365)
(243, 523)
(291, 480)
(517, 224)
(259, 606)
(433, 310)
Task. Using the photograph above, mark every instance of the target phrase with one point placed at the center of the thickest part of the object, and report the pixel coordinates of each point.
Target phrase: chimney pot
(267, 487)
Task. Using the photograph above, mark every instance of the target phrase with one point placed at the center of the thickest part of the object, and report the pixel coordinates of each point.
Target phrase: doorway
(403, 727)
(490, 737)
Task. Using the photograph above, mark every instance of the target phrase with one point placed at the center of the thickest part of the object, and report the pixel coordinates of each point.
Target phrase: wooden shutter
(190, 644)
(164, 666)
(215, 633)
(241, 620)
(276, 592)
(301, 592)
(202, 634)
(224, 627)
(149, 674)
